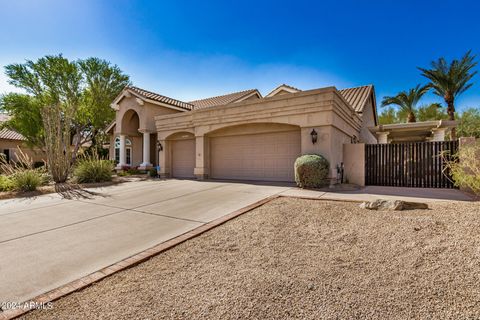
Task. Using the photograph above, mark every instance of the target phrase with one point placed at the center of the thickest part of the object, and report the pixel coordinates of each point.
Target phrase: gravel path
(308, 259)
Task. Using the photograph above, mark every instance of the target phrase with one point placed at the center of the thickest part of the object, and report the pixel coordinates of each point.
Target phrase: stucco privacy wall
(324, 110)
(354, 163)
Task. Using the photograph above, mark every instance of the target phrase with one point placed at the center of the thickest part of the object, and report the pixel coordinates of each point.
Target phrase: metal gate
(411, 164)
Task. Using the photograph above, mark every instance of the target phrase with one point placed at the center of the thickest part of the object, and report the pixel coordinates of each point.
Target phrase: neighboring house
(11, 141)
(241, 135)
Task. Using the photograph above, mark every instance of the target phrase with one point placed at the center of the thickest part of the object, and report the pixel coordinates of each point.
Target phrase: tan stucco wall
(354, 163)
(324, 110)
(368, 118)
(13, 145)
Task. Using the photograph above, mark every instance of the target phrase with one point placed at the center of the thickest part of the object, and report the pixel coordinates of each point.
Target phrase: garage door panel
(183, 158)
(266, 156)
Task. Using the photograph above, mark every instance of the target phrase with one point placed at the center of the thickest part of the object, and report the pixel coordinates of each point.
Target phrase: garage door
(183, 158)
(265, 156)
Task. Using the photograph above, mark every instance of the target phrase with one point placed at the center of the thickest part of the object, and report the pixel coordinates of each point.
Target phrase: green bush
(465, 167)
(153, 172)
(311, 171)
(6, 183)
(27, 180)
(90, 170)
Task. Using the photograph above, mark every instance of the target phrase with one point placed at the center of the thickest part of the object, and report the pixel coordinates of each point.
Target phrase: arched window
(128, 150)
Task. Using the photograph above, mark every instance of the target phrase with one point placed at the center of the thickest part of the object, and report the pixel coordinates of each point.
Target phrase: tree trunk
(451, 116)
(411, 117)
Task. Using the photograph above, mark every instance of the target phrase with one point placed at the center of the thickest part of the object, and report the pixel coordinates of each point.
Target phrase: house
(240, 135)
(11, 142)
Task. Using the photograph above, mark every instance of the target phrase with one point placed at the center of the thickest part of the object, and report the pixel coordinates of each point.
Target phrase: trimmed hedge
(311, 171)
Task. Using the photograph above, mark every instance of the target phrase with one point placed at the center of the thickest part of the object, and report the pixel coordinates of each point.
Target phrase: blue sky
(195, 49)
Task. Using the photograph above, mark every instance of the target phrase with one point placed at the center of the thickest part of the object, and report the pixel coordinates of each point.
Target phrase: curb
(126, 263)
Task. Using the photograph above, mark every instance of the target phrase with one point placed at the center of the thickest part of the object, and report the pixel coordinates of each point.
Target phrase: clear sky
(195, 49)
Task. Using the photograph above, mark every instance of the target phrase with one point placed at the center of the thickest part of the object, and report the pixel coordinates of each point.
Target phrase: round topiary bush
(311, 171)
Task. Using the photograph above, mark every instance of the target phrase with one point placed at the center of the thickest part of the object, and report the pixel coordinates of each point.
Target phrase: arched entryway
(264, 151)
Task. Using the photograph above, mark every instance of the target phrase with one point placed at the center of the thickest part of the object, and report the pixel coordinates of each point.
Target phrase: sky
(194, 49)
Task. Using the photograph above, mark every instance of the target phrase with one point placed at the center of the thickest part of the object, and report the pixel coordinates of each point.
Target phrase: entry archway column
(146, 151)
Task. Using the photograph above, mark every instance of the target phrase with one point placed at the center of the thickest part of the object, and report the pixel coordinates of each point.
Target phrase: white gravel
(308, 259)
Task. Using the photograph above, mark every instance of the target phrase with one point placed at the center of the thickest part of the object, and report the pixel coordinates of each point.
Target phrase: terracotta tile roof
(160, 98)
(7, 134)
(222, 100)
(357, 97)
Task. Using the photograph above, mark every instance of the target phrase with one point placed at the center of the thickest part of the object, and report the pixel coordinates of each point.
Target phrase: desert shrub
(465, 167)
(21, 174)
(134, 171)
(153, 172)
(92, 169)
(311, 171)
(27, 180)
(6, 183)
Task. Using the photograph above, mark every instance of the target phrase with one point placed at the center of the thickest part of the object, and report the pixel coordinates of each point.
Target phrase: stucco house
(11, 141)
(241, 135)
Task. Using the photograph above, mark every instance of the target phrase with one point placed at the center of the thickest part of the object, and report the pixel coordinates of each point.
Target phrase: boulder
(382, 204)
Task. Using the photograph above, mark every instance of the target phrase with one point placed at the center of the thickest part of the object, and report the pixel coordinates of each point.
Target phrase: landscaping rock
(382, 204)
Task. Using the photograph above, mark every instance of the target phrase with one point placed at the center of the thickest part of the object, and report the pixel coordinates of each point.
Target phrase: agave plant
(449, 80)
(407, 101)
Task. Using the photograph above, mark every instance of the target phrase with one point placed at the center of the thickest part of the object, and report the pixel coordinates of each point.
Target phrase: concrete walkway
(49, 241)
(371, 193)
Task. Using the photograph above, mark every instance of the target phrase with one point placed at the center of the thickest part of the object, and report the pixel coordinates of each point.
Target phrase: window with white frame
(128, 151)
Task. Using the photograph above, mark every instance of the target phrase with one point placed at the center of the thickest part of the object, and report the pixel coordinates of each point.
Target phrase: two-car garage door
(262, 156)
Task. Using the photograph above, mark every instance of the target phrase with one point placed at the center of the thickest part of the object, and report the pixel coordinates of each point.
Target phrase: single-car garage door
(263, 156)
(183, 158)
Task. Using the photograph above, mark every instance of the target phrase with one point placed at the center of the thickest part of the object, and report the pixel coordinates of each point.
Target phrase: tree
(72, 100)
(103, 82)
(406, 101)
(469, 123)
(54, 84)
(433, 111)
(388, 116)
(449, 80)
(25, 118)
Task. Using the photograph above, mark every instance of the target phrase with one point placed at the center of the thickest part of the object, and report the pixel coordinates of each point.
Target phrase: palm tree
(407, 100)
(449, 80)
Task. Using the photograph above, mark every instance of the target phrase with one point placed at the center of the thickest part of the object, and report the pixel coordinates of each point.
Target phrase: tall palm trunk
(411, 117)
(451, 116)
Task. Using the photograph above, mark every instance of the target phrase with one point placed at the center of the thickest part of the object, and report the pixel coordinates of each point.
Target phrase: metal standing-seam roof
(357, 97)
(7, 134)
(160, 98)
(223, 99)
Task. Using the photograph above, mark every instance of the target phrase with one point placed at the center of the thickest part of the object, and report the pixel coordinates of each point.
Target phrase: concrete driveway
(49, 241)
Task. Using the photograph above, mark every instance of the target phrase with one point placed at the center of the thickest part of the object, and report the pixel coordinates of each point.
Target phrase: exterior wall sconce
(314, 135)
(159, 145)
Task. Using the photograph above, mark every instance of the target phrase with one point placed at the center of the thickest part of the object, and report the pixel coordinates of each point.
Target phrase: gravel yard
(309, 259)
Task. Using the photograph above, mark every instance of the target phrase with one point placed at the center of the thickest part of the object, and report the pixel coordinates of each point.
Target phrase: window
(128, 150)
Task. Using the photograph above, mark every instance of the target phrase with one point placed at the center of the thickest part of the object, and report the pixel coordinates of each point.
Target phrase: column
(123, 153)
(146, 151)
(439, 134)
(200, 171)
(382, 137)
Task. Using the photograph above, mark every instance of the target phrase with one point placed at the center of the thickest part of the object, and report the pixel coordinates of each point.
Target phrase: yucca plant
(449, 80)
(21, 174)
(407, 101)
